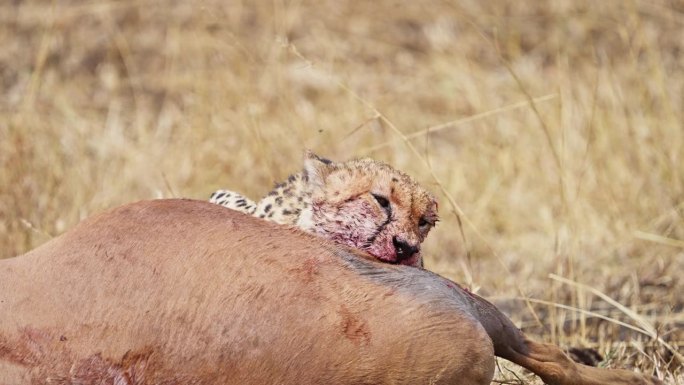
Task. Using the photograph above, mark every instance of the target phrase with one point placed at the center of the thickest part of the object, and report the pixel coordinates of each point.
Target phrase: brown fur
(186, 292)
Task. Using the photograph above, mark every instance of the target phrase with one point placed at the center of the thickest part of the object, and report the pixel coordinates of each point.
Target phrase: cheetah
(362, 203)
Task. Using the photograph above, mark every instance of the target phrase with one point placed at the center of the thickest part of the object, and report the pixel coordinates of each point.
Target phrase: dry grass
(106, 102)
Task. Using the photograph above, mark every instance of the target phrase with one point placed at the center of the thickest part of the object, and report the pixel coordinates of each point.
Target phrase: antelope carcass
(187, 292)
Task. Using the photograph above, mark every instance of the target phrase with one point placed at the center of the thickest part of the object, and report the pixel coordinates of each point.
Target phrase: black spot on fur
(267, 208)
(326, 161)
(270, 215)
(395, 180)
(291, 178)
(217, 196)
(287, 212)
(279, 200)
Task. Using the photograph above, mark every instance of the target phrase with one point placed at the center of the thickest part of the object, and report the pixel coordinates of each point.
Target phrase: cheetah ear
(435, 205)
(317, 168)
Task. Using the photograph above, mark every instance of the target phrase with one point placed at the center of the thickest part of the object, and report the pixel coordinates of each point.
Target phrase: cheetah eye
(382, 201)
(422, 222)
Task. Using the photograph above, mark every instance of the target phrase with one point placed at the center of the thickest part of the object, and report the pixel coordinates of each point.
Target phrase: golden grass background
(555, 129)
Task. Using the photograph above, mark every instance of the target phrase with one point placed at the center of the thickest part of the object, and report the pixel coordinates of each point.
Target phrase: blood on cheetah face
(369, 205)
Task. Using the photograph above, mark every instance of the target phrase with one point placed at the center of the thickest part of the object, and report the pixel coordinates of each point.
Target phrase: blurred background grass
(556, 127)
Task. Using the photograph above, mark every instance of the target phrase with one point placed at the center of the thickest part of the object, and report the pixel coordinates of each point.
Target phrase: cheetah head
(368, 205)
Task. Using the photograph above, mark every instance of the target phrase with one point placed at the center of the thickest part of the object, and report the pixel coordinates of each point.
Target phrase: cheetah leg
(233, 200)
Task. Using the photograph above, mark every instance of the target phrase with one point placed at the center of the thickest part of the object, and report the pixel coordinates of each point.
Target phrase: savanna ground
(553, 130)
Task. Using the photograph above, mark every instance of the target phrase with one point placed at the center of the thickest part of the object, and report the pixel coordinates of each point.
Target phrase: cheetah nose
(403, 249)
